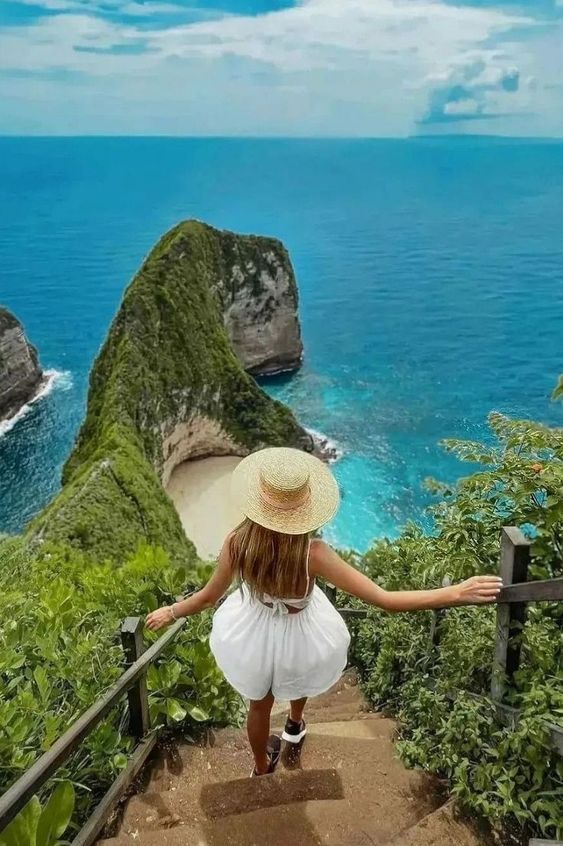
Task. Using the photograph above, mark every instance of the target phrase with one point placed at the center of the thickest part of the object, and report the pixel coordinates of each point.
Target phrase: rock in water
(20, 373)
(259, 298)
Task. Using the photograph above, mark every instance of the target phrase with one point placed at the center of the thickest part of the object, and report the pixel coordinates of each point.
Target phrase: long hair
(269, 562)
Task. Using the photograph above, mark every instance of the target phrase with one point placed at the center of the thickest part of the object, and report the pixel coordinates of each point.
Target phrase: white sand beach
(201, 492)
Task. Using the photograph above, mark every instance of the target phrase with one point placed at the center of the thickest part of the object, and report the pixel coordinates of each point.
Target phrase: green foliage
(499, 772)
(42, 826)
(167, 361)
(60, 650)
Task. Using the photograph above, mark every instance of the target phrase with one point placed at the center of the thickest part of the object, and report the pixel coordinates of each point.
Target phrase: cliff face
(258, 295)
(168, 386)
(20, 373)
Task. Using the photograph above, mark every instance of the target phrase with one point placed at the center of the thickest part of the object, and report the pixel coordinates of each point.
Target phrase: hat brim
(319, 509)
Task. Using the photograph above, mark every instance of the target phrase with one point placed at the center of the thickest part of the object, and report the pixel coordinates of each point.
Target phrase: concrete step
(443, 827)
(303, 825)
(378, 793)
(344, 701)
(374, 727)
(341, 704)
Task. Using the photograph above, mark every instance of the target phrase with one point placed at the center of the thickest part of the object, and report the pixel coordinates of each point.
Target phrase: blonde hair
(269, 562)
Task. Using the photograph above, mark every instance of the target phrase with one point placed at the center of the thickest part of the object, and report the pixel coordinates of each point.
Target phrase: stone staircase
(345, 787)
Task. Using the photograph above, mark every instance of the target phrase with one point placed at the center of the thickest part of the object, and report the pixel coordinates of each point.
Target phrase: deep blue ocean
(430, 272)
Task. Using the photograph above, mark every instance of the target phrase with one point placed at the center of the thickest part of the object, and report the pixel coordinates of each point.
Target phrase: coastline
(48, 383)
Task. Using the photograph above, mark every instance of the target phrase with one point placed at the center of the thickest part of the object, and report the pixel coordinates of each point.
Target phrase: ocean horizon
(430, 273)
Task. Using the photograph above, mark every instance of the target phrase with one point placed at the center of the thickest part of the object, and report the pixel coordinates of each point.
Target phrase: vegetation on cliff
(167, 361)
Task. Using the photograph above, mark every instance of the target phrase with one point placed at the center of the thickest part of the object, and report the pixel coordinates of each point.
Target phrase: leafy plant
(60, 650)
(42, 826)
(502, 773)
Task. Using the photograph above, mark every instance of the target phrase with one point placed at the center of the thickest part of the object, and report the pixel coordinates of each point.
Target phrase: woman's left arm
(324, 562)
(207, 597)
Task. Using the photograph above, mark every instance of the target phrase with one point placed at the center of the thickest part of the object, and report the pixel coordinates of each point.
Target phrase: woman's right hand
(478, 590)
(158, 619)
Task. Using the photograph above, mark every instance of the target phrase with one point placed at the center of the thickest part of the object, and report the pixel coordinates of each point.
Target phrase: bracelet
(174, 617)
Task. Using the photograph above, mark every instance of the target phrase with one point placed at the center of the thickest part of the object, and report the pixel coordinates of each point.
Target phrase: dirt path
(345, 788)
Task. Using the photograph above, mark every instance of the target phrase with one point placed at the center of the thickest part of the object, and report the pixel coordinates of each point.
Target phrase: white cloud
(322, 67)
(462, 107)
(128, 8)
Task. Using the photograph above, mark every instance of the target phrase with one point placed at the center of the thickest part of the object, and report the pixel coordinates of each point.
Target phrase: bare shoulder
(225, 553)
(319, 553)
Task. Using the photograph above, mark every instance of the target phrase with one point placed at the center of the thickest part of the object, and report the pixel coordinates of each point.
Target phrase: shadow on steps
(244, 795)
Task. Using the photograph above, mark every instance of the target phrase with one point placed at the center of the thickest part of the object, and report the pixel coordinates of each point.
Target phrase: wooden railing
(132, 683)
(514, 597)
(511, 614)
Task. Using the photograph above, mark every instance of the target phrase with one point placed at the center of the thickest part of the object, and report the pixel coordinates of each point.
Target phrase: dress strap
(306, 594)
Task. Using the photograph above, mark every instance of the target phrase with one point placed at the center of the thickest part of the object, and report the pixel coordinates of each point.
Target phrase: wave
(51, 379)
(329, 447)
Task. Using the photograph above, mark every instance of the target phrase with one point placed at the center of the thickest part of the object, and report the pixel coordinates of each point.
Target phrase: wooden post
(437, 617)
(133, 647)
(514, 561)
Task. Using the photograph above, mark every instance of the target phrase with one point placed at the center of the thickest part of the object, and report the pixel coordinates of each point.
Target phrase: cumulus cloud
(465, 108)
(318, 67)
(470, 89)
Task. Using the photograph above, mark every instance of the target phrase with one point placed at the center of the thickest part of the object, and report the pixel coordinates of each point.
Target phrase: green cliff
(167, 386)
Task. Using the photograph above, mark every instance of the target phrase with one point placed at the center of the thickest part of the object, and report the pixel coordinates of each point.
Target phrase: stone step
(376, 788)
(443, 827)
(343, 703)
(302, 826)
(374, 727)
(329, 822)
(309, 824)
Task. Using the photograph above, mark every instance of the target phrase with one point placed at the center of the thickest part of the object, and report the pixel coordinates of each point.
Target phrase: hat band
(288, 504)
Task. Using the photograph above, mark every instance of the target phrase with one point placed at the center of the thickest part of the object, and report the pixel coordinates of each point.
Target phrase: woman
(278, 636)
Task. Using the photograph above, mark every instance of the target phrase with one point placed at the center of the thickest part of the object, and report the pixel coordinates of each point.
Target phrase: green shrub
(501, 773)
(60, 650)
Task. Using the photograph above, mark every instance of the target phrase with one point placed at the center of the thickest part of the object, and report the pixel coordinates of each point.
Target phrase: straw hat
(286, 490)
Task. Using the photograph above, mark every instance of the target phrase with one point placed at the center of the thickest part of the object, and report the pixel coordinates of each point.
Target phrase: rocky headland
(21, 376)
(173, 381)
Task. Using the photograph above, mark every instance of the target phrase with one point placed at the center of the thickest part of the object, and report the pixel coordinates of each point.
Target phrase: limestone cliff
(258, 295)
(20, 373)
(167, 386)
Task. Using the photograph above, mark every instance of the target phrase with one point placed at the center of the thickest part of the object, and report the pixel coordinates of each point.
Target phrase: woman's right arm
(207, 597)
(324, 562)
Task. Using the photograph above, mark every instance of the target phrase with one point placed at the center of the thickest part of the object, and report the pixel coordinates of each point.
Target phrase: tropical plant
(42, 826)
(60, 650)
(503, 773)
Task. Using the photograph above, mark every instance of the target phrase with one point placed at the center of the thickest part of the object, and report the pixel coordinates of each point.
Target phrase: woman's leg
(297, 706)
(258, 727)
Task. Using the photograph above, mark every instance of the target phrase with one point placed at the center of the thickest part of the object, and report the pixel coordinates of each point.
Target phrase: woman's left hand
(478, 590)
(159, 618)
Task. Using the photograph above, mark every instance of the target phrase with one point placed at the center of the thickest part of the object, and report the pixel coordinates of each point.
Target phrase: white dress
(262, 648)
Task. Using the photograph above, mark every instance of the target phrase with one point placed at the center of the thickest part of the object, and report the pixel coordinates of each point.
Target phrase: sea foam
(52, 379)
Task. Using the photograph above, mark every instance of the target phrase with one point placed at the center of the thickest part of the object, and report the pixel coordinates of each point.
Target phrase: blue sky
(274, 67)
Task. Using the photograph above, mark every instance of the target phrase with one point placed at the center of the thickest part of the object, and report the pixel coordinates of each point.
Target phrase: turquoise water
(430, 272)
